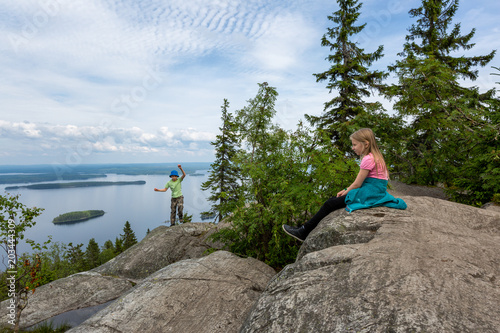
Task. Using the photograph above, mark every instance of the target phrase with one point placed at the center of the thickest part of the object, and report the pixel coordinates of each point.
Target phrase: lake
(139, 204)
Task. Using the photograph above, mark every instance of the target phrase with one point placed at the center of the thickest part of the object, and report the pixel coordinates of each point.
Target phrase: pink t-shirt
(376, 171)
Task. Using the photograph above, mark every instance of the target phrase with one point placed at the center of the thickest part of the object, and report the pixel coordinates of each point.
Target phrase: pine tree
(76, 257)
(436, 41)
(92, 254)
(445, 119)
(223, 178)
(108, 251)
(349, 75)
(118, 245)
(128, 236)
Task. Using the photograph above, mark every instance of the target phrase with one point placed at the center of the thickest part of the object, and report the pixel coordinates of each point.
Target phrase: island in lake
(79, 216)
(48, 186)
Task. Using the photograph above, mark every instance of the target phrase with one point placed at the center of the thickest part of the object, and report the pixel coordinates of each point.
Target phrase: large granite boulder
(73, 292)
(161, 247)
(434, 267)
(210, 294)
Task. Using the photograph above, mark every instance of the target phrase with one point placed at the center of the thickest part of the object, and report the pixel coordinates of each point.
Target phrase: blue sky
(104, 81)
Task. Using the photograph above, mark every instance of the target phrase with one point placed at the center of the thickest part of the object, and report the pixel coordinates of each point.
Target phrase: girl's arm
(161, 190)
(360, 178)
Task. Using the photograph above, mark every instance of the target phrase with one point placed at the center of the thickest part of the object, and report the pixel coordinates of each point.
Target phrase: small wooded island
(79, 216)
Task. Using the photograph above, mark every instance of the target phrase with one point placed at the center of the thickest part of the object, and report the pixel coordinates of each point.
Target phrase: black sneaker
(298, 233)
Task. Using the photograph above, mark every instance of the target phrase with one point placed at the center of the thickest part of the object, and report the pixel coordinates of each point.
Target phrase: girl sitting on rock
(368, 190)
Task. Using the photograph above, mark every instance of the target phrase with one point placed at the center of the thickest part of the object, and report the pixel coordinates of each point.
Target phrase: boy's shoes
(299, 233)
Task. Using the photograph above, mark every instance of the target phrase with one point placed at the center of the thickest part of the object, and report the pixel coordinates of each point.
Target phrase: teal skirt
(373, 193)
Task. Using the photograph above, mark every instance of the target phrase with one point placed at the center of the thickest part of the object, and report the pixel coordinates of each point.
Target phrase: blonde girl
(369, 189)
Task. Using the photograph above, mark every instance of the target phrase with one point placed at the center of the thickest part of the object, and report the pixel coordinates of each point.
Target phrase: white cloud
(149, 77)
(102, 138)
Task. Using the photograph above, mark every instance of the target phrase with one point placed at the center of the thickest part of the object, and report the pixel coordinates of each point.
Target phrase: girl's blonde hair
(366, 135)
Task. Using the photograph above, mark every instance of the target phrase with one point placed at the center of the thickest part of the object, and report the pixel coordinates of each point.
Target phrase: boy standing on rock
(177, 202)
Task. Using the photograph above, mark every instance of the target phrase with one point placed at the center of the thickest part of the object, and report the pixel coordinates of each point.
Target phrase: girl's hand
(341, 193)
(179, 166)
(156, 189)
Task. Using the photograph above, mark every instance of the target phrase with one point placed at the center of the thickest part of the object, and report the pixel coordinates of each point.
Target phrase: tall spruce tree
(76, 257)
(431, 37)
(445, 119)
(118, 245)
(224, 173)
(128, 236)
(92, 254)
(349, 75)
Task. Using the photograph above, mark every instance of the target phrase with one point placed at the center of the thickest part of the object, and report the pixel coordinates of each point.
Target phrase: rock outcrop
(73, 292)
(211, 294)
(434, 267)
(161, 247)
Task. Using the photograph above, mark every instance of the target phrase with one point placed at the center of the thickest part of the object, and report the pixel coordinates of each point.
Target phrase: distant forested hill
(43, 177)
(49, 186)
(17, 174)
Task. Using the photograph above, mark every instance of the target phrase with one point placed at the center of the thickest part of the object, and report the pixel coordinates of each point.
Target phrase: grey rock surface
(210, 294)
(397, 189)
(77, 291)
(161, 247)
(434, 267)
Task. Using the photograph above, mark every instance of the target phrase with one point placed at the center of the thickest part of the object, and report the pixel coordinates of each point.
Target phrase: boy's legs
(173, 207)
(180, 208)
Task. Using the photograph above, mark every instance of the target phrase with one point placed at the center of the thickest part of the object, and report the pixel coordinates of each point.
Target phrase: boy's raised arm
(183, 173)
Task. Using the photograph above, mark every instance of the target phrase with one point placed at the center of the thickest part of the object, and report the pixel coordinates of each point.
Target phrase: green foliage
(92, 254)
(498, 74)
(450, 133)
(186, 218)
(348, 75)
(437, 41)
(118, 245)
(285, 176)
(223, 178)
(477, 179)
(128, 236)
(60, 260)
(15, 219)
(107, 251)
(54, 263)
(76, 257)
